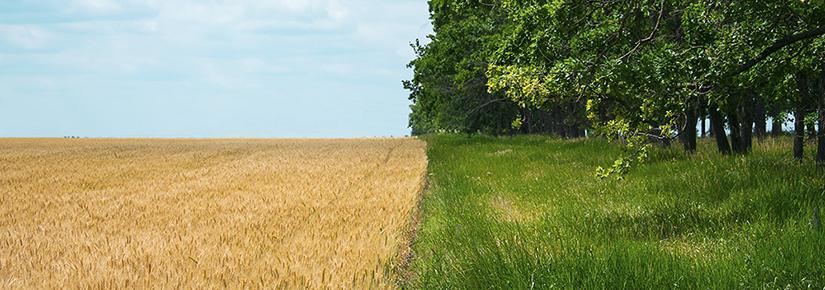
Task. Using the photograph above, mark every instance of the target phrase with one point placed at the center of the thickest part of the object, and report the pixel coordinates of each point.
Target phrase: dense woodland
(641, 72)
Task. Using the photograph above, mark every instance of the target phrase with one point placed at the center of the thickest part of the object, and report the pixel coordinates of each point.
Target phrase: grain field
(88, 213)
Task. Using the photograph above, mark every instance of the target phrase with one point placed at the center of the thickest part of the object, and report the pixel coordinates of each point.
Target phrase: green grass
(528, 212)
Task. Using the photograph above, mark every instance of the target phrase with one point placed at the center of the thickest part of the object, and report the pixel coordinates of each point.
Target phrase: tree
(638, 71)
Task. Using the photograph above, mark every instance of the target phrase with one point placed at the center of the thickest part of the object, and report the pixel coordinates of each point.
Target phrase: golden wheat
(86, 213)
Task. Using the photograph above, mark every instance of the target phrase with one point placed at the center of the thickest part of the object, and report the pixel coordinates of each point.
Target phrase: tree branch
(474, 110)
(649, 37)
(778, 45)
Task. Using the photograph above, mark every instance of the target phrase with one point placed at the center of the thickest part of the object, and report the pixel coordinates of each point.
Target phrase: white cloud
(24, 36)
(237, 49)
(96, 6)
(336, 10)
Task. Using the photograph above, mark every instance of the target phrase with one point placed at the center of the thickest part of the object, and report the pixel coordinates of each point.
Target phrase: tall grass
(528, 212)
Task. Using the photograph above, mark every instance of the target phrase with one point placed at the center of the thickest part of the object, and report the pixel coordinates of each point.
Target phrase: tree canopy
(640, 71)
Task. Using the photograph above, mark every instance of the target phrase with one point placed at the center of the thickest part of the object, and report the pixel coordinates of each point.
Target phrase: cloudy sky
(197, 68)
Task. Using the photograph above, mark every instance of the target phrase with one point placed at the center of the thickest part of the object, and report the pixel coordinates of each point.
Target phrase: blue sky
(196, 68)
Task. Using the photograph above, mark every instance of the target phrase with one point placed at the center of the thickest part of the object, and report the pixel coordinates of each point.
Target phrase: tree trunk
(799, 136)
(745, 114)
(799, 117)
(811, 127)
(747, 133)
(527, 120)
(703, 114)
(820, 153)
(555, 126)
(761, 118)
(559, 122)
(689, 133)
(718, 129)
(736, 141)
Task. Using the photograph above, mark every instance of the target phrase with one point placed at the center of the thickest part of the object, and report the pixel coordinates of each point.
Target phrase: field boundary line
(406, 253)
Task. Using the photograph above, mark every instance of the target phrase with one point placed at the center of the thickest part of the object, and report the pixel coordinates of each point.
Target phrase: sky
(206, 68)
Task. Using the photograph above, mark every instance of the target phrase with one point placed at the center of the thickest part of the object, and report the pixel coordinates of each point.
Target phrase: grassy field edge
(528, 212)
(402, 270)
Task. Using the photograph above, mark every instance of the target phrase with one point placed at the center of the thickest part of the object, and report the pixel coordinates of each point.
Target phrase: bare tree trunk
(747, 133)
(528, 121)
(556, 121)
(799, 117)
(820, 153)
(811, 127)
(761, 118)
(736, 141)
(703, 116)
(689, 134)
(718, 128)
(799, 136)
(746, 112)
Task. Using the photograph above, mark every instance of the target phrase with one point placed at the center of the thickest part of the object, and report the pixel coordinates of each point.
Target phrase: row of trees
(636, 70)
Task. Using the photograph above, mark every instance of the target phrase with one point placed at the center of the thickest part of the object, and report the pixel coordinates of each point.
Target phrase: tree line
(640, 71)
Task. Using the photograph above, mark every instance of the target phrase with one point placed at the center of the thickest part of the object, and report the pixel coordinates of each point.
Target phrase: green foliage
(448, 89)
(526, 213)
(622, 68)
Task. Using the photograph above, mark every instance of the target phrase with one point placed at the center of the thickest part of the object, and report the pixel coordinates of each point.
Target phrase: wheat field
(107, 213)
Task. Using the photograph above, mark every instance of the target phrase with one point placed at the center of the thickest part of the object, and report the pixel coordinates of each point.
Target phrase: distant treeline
(636, 70)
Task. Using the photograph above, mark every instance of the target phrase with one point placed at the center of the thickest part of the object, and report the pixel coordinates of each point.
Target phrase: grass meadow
(529, 213)
(206, 214)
